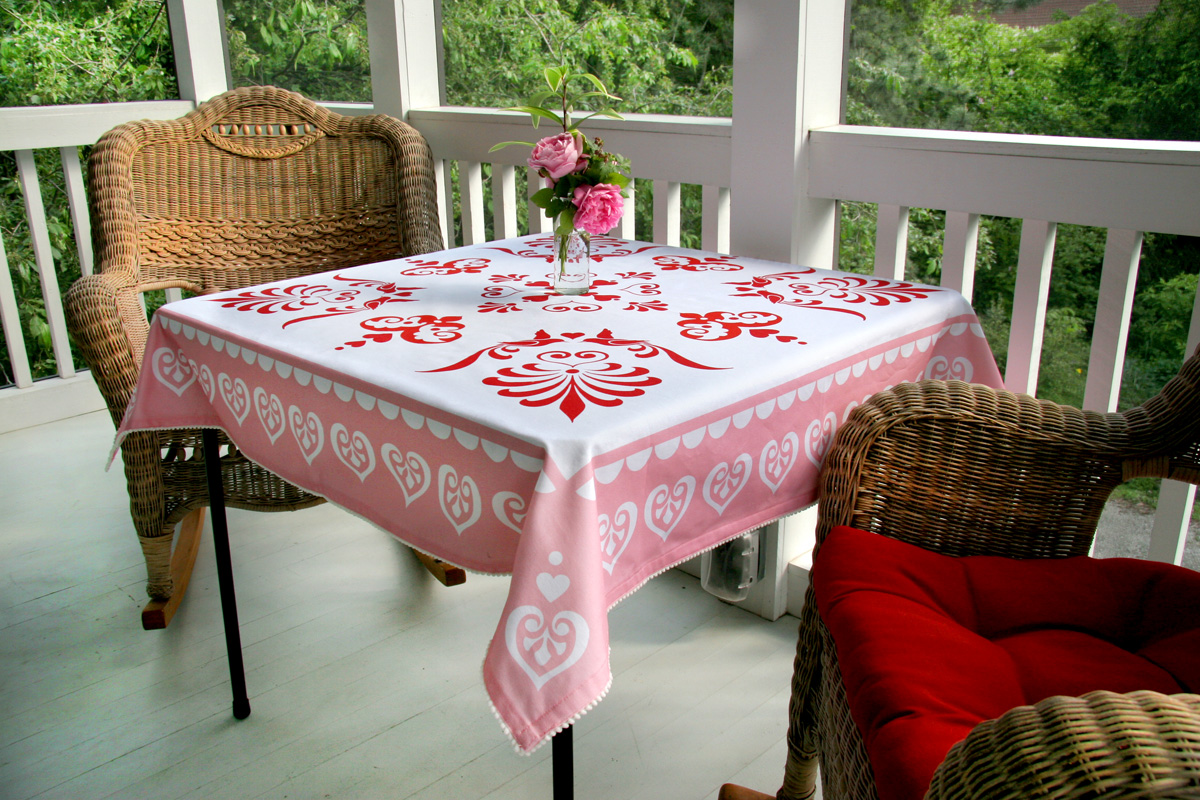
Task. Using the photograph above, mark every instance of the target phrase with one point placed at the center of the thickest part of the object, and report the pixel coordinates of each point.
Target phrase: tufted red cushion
(930, 646)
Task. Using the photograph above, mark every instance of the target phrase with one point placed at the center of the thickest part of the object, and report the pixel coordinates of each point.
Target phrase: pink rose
(600, 207)
(559, 155)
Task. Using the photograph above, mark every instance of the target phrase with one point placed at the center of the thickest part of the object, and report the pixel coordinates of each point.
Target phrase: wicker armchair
(255, 185)
(966, 470)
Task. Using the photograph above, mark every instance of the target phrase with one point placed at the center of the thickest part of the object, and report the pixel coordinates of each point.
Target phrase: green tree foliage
(315, 47)
(54, 53)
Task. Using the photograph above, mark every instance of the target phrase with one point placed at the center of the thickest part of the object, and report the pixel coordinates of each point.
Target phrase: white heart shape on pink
(616, 534)
(270, 413)
(545, 643)
(459, 498)
(777, 460)
(509, 508)
(354, 450)
(409, 469)
(308, 432)
(552, 587)
(818, 437)
(236, 396)
(666, 505)
(172, 370)
(726, 482)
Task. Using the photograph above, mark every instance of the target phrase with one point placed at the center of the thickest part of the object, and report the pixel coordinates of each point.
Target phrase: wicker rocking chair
(255, 185)
(964, 470)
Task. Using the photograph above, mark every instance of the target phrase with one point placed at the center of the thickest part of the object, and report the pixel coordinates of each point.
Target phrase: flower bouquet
(585, 187)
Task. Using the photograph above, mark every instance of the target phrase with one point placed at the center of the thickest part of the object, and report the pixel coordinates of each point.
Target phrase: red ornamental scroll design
(417, 329)
(369, 294)
(573, 376)
(423, 267)
(507, 292)
(603, 247)
(640, 348)
(718, 326)
(688, 263)
(572, 379)
(850, 289)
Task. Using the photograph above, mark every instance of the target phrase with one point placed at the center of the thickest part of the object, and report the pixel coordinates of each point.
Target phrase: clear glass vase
(572, 262)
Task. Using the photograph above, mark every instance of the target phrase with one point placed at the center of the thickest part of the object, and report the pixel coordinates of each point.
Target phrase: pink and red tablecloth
(582, 444)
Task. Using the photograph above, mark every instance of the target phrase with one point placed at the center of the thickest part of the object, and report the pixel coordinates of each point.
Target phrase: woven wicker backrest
(258, 184)
(938, 464)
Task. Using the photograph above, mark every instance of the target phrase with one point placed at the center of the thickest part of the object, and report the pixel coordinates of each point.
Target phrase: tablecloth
(581, 444)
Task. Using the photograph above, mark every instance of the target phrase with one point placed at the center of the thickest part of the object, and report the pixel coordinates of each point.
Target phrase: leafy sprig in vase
(586, 186)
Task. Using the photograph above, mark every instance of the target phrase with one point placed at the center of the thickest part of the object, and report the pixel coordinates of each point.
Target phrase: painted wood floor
(364, 673)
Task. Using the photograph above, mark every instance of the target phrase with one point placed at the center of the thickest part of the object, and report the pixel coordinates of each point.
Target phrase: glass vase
(572, 262)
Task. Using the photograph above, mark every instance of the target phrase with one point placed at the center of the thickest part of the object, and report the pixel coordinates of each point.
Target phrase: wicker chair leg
(158, 612)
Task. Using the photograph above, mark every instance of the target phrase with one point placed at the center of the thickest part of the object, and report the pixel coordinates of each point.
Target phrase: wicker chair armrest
(965, 469)
(1138, 745)
(109, 330)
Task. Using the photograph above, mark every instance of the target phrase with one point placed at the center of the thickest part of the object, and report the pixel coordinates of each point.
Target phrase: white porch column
(405, 38)
(788, 58)
(198, 38)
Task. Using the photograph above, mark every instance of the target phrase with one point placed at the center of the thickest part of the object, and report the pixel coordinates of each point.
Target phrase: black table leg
(563, 764)
(233, 639)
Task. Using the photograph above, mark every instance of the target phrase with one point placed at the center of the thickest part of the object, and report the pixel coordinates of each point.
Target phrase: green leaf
(596, 82)
(537, 111)
(503, 145)
(554, 77)
(542, 197)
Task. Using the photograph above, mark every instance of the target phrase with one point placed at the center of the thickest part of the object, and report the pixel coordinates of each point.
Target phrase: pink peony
(559, 155)
(600, 207)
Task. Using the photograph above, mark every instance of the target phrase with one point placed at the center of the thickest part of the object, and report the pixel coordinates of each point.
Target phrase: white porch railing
(770, 177)
(1126, 187)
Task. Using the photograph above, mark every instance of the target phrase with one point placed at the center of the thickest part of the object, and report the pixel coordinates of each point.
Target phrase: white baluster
(891, 241)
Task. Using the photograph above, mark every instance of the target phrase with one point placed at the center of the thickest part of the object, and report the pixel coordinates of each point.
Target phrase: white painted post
(198, 37)
(405, 41)
(77, 201)
(404, 37)
(666, 213)
(626, 228)
(35, 212)
(1175, 498)
(959, 248)
(891, 241)
(538, 221)
(1118, 280)
(504, 200)
(788, 59)
(1029, 305)
(470, 196)
(787, 72)
(10, 321)
(714, 229)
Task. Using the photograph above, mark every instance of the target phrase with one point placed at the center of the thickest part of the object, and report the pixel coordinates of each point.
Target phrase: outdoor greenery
(912, 63)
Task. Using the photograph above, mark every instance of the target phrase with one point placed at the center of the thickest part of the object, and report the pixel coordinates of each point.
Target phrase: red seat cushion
(930, 646)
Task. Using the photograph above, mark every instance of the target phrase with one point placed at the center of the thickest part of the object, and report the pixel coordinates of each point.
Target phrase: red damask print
(697, 264)
(572, 379)
(575, 372)
(603, 247)
(508, 292)
(423, 267)
(717, 326)
(417, 329)
(790, 288)
(360, 295)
